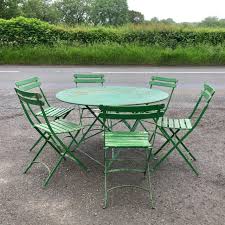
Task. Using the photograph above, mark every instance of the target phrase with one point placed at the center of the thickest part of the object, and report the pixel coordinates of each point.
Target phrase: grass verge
(113, 54)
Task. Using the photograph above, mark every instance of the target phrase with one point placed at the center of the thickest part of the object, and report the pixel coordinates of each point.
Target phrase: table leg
(84, 136)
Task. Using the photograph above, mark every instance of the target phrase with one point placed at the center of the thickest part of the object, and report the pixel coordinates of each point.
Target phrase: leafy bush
(22, 31)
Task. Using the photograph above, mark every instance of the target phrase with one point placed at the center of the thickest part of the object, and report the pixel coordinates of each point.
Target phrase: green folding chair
(164, 82)
(84, 79)
(169, 84)
(171, 127)
(116, 142)
(49, 131)
(34, 83)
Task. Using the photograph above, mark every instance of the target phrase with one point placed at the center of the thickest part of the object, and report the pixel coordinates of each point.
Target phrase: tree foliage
(94, 12)
(10, 8)
(213, 22)
(109, 12)
(135, 17)
(74, 11)
(41, 9)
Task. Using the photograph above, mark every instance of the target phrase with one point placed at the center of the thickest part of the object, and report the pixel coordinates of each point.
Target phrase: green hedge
(22, 31)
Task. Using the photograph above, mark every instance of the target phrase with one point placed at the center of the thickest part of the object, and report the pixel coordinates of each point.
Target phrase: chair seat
(182, 124)
(55, 112)
(127, 139)
(60, 126)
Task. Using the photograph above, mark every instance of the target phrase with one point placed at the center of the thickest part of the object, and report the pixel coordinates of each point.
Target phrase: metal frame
(28, 100)
(34, 83)
(79, 78)
(176, 140)
(166, 82)
(111, 154)
(169, 83)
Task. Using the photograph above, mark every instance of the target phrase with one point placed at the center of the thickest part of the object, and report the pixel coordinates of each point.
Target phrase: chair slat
(165, 121)
(89, 76)
(31, 101)
(54, 112)
(176, 124)
(171, 124)
(97, 80)
(206, 95)
(188, 123)
(27, 81)
(166, 79)
(30, 86)
(182, 124)
(47, 111)
(63, 111)
(162, 84)
(209, 88)
(141, 108)
(132, 116)
(27, 94)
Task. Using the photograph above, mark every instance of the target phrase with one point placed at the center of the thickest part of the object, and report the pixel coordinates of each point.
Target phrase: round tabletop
(111, 95)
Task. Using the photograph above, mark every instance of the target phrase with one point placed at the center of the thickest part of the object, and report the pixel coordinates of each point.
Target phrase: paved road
(60, 77)
(74, 197)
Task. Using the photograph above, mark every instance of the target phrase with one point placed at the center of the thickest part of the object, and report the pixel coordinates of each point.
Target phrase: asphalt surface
(74, 197)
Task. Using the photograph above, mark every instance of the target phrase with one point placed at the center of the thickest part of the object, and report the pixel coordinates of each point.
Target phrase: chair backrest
(29, 101)
(31, 84)
(203, 102)
(88, 78)
(165, 82)
(136, 113)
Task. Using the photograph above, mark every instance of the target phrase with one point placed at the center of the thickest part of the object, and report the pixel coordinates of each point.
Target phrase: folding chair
(49, 131)
(171, 127)
(164, 82)
(117, 141)
(34, 83)
(88, 79)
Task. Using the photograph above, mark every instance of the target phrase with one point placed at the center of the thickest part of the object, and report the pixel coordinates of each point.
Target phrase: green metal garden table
(90, 97)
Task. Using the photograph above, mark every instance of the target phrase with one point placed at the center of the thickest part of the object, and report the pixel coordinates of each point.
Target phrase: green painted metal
(171, 127)
(169, 84)
(125, 139)
(88, 78)
(33, 84)
(116, 96)
(165, 82)
(49, 131)
(114, 141)
(84, 95)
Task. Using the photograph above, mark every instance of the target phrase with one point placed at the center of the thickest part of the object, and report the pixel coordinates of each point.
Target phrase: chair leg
(185, 147)
(81, 111)
(188, 162)
(105, 180)
(165, 143)
(66, 152)
(148, 157)
(36, 156)
(175, 146)
(53, 170)
(36, 143)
